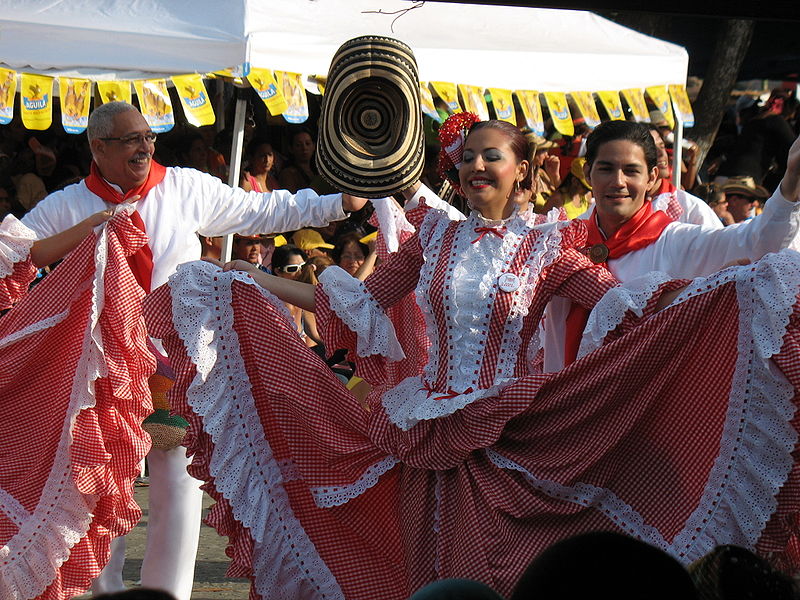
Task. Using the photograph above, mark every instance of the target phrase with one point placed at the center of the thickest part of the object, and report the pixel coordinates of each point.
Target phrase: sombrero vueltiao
(371, 140)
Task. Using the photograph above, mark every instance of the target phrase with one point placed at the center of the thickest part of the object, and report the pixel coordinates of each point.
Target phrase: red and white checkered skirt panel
(73, 386)
(681, 432)
(275, 435)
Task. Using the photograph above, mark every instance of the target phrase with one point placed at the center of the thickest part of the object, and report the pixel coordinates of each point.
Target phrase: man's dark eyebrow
(610, 163)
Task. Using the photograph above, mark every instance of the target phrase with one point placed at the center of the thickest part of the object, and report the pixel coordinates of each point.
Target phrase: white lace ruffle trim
(15, 244)
(285, 562)
(392, 220)
(30, 560)
(361, 313)
(409, 402)
(755, 451)
(335, 496)
(609, 313)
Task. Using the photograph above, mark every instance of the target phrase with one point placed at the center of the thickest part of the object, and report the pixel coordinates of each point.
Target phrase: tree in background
(731, 44)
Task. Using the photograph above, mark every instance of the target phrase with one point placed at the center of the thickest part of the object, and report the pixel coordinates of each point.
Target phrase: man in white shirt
(620, 176)
(174, 205)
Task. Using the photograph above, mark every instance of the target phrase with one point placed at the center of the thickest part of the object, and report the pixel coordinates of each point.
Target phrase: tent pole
(236, 159)
(677, 150)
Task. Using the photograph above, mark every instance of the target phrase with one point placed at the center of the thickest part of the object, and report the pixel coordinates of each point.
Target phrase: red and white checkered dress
(73, 389)
(678, 428)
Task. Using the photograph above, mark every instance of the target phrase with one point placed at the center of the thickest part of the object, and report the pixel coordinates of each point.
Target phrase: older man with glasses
(173, 206)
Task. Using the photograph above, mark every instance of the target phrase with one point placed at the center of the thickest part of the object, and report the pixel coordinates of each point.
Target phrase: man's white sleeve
(695, 250)
(232, 210)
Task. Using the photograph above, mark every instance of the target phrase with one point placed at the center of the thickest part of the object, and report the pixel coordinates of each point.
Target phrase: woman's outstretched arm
(294, 292)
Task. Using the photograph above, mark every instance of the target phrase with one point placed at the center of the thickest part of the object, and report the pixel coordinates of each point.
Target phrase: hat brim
(371, 140)
(759, 191)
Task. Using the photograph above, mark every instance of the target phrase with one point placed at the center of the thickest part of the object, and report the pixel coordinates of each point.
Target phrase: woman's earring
(516, 186)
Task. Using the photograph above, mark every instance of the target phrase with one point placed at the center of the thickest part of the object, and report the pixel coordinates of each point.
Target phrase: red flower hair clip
(452, 134)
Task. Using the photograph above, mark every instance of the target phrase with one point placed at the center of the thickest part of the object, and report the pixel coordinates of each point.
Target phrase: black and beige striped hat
(371, 140)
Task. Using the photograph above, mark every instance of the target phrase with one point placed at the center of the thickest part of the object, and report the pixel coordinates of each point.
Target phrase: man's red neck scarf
(641, 230)
(142, 261)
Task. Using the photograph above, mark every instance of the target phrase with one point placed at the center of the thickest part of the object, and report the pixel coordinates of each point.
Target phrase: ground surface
(210, 582)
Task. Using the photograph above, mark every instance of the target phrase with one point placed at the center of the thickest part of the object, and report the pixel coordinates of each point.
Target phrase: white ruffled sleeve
(353, 305)
(16, 241)
(16, 267)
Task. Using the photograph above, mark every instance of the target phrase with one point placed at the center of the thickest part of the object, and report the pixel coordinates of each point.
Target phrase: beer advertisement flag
(8, 90)
(660, 97)
(449, 93)
(680, 100)
(35, 97)
(503, 103)
(587, 108)
(114, 91)
(612, 104)
(559, 111)
(473, 100)
(76, 95)
(265, 85)
(291, 86)
(426, 102)
(155, 104)
(532, 110)
(194, 98)
(635, 99)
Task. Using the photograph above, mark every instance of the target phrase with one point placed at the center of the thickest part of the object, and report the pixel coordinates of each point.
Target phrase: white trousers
(173, 530)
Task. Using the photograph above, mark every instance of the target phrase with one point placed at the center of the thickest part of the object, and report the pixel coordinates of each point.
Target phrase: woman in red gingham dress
(679, 430)
(73, 390)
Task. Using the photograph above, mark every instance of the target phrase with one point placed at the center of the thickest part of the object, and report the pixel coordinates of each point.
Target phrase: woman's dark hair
(516, 139)
(734, 572)
(344, 241)
(611, 131)
(282, 254)
(255, 143)
(299, 130)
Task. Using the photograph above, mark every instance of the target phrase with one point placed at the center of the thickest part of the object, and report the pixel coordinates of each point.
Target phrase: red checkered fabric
(15, 285)
(677, 432)
(669, 193)
(74, 397)
(404, 314)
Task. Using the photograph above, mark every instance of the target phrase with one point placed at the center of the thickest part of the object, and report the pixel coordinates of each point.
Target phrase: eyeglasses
(291, 268)
(133, 140)
(747, 199)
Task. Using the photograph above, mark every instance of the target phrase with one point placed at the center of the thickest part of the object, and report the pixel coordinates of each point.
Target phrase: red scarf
(641, 230)
(141, 262)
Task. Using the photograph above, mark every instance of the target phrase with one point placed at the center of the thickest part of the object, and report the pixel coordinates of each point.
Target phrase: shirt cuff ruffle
(16, 241)
(361, 313)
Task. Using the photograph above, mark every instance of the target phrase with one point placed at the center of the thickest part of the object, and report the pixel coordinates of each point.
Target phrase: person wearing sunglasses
(288, 261)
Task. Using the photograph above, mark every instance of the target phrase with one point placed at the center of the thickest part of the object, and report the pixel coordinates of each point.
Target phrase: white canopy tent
(490, 46)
